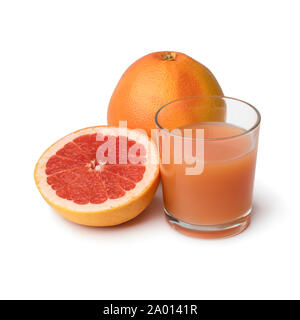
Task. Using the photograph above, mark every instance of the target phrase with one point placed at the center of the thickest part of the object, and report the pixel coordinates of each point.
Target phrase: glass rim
(256, 124)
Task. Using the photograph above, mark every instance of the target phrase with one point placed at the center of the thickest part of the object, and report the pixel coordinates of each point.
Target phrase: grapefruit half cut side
(99, 176)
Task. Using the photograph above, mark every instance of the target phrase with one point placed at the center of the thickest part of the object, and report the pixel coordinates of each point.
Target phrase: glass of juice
(208, 147)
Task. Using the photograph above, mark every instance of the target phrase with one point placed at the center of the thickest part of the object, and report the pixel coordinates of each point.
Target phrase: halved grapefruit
(98, 176)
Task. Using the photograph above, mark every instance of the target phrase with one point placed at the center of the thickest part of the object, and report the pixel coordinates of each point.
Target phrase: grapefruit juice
(216, 199)
(222, 193)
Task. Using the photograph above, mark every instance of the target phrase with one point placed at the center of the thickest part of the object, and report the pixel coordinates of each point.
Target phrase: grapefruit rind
(112, 211)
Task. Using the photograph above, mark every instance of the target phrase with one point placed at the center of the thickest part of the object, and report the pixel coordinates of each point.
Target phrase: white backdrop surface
(59, 63)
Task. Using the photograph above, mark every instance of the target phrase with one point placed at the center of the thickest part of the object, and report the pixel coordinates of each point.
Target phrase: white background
(59, 63)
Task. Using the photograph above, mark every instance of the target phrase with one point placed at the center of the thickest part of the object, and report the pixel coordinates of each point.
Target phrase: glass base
(211, 231)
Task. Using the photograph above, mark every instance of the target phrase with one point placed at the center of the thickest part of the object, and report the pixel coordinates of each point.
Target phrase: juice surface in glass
(223, 191)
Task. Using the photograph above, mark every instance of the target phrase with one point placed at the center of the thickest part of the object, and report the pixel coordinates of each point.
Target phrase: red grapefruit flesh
(98, 176)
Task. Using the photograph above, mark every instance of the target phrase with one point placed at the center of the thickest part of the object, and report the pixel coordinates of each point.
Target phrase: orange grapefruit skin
(110, 216)
(155, 80)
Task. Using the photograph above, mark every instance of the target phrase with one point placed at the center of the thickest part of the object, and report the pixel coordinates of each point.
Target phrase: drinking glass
(208, 147)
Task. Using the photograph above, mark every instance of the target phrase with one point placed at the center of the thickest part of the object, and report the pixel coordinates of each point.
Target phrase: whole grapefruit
(155, 80)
